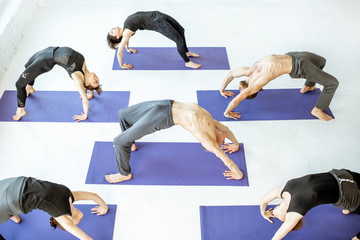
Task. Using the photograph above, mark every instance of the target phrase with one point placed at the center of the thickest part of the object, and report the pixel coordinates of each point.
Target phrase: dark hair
(244, 84)
(113, 41)
(55, 224)
(98, 89)
(298, 225)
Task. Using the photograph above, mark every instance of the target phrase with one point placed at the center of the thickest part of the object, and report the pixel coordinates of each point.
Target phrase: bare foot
(320, 114)
(306, 89)
(20, 112)
(191, 54)
(29, 90)
(192, 65)
(16, 219)
(116, 178)
(133, 147)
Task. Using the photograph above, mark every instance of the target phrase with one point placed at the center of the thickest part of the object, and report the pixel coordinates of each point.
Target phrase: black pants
(171, 29)
(137, 121)
(38, 64)
(309, 66)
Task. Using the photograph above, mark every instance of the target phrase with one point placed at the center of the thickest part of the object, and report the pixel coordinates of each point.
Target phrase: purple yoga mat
(36, 225)
(61, 106)
(270, 104)
(159, 163)
(167, 58)
(246, 222)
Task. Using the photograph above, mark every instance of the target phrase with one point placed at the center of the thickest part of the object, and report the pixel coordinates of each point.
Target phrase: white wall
(14, 17)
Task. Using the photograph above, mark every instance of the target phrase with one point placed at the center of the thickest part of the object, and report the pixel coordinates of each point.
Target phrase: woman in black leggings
(156, 21)
(23, 194)
(43, 61)
(338, 187)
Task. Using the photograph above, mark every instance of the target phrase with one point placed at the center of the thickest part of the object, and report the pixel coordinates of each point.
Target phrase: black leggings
(171, 29)
(38, 64)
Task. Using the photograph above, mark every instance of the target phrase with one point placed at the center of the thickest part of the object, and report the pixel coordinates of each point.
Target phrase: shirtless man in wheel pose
(298, 65)
(147, 117)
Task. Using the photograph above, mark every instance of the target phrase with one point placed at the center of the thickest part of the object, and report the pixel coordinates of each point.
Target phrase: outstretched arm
(211, 146)
(99, 210)
(85, 101)
(234, 103)
(67, 223)
(229, 135)
(291, 219)
(268, 197)
(239, 72)
(124, 42)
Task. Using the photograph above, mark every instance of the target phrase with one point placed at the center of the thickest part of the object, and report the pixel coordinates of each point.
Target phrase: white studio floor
(275, 151)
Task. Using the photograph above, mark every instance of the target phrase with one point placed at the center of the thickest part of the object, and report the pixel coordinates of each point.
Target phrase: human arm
(84, 98)
(235, 172)
(268, 197)
(234, 146)
(67, 223)
(239, 72)
(130, 50)
(124, 42)
(291, 219)
(234, 103)
(99, 210)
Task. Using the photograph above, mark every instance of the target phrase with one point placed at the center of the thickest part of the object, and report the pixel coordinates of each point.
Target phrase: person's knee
(332, 85)
(20, 83)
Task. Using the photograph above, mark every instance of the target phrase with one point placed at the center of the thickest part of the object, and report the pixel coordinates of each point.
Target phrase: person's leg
(24, 85)
(330, 83)
(155, 119)
(319, 62)
(165, 28)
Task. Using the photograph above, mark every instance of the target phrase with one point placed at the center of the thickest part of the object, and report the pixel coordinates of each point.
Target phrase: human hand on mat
(229, 147)
(99, 210)
(355, 238)
(227, 94)
(268, 214)
(233, 115)
(232, 175)
(79, 118)
(132, 50)
(127, 66)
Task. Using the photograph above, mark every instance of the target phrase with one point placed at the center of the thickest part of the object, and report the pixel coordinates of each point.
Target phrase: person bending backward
(147, 117)
(43, 61)
(297, 64)
(23, 194)
(299, 195)
(155, 21)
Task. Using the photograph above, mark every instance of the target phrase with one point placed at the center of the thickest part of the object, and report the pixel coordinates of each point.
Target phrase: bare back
(267, 69)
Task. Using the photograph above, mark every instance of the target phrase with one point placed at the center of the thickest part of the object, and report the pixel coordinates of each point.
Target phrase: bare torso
(267, 69)
(194, 118)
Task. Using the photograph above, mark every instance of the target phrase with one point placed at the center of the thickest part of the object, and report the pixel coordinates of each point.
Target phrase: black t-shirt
(140, 21)
(49, 197)
(310, 191)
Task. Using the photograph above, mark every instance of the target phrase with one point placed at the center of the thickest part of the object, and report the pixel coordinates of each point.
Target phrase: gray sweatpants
(309, 66)
(349, 192)
(11, 190)
(137, 121)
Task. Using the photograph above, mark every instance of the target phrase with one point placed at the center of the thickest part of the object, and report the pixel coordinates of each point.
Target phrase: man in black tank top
(155, 21)
(43, 61)
(338, 187)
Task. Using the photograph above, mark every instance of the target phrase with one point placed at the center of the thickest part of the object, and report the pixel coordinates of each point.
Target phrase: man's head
(243, 85)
